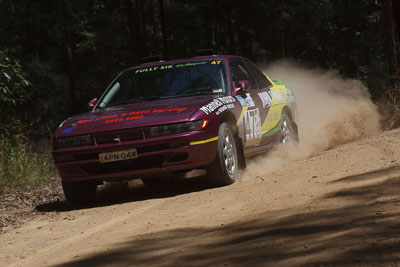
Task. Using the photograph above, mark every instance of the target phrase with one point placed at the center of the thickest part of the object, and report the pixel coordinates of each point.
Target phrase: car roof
(174, 61)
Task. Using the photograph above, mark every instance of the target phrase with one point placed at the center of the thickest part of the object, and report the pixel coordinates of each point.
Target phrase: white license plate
(118, 155)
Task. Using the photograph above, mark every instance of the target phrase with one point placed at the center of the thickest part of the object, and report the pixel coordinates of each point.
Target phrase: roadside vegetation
(22, 164)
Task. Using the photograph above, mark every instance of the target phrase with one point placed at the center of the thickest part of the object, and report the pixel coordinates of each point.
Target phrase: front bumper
(159, 155)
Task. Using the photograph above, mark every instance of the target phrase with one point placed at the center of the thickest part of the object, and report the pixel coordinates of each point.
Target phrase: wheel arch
(229, 118)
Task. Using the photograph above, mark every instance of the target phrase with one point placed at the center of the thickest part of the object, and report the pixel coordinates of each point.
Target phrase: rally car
(162, 119)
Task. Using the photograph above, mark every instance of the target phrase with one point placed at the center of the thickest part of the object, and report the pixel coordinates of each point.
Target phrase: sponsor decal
(275, 98)
(168, 110)
(84, 121)
(288, 95)
(134, 115)
(190, 64)
(217, 103)
(67, 130)
(252, 124)
(270, 98)
(170, 66)
(246, 101)
(224, 107)
(125, 119)
(150, 69)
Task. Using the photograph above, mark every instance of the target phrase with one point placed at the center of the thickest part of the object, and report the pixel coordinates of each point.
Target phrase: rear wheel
(223, 171)
(79, 193)
(289, 134)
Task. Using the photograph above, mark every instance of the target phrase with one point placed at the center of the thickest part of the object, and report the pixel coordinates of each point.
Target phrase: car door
(269, 104)
(251, 117)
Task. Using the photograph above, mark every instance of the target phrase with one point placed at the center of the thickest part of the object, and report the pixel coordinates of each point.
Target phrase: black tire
(79, 193)
(288, 133)
(224, 169)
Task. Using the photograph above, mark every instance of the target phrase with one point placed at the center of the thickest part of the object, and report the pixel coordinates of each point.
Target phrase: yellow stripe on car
(272, 119)
(274, 113)
(204, 141)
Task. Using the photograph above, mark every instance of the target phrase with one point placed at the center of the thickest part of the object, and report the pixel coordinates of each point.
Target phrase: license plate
(118, 155)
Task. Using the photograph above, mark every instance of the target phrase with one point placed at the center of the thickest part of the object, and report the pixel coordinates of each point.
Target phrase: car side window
(240, 71)
(262, 80)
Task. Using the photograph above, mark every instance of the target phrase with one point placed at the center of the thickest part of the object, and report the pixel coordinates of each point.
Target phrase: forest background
(56, 55)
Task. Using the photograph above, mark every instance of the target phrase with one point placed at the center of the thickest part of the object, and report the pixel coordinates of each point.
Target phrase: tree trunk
(396, 19)
(230, 21)
(143, 24)
(396, 16)
(68, 52)
(391, 53)
(153, 20)
(163, 31)
(134, 27)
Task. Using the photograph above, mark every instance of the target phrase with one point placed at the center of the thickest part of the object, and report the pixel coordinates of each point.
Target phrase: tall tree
(163, 31)
(391, 51)
(68, 53)
(396, 18)
(134, 27)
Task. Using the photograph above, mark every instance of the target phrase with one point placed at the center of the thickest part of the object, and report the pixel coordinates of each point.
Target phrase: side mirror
(243, 86)
(92, 103)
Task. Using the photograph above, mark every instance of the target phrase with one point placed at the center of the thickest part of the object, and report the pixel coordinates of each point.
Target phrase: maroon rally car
(162, 119)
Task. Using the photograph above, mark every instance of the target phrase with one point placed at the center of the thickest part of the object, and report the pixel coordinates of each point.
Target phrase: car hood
(141, 114)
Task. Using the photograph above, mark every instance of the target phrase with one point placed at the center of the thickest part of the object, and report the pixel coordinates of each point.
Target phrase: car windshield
(167, 81)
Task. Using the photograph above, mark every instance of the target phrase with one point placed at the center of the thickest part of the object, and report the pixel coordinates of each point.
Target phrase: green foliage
(20, 165)
(13, 85)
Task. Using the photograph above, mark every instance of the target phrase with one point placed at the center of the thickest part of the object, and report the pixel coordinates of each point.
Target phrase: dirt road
(339, 207)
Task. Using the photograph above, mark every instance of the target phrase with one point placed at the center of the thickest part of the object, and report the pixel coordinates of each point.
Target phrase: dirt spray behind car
(332, 110)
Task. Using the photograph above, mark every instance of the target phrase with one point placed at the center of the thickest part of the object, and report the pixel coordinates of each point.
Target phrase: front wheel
(79, 193)
(223, 171)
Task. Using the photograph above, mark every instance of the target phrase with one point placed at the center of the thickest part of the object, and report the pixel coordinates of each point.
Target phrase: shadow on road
(117, 193)
(366, 232)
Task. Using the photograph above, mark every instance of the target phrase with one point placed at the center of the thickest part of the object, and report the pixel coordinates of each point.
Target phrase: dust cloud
(332, 110)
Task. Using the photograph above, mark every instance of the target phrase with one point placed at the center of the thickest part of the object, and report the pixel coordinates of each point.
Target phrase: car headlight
(176, 128)
(73, 141)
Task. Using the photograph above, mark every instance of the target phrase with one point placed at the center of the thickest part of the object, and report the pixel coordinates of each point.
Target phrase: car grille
(123, 135)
